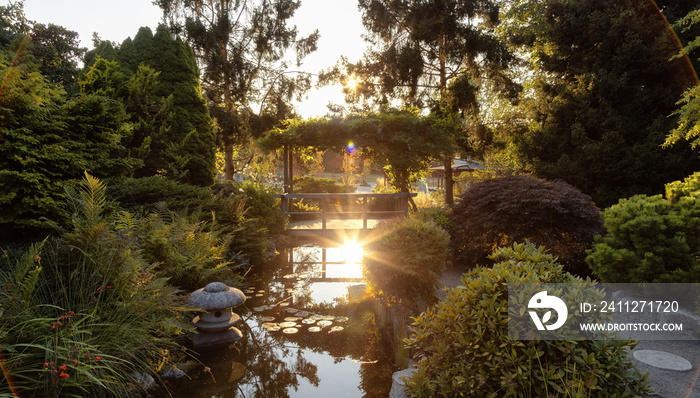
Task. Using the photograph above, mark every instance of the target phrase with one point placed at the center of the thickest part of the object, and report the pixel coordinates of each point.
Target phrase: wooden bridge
(340, 215)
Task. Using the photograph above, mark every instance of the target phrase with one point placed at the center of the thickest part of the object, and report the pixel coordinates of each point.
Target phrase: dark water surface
(345, 356)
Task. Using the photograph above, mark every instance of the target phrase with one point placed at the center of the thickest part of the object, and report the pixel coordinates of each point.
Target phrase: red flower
(63, 375)
(71, 313)
(63, 367)
(98, 358)
(86, 355)
(75, 362)
(46, 364)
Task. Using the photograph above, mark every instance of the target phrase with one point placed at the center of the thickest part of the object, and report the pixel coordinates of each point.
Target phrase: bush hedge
(463, 347)
(651, 238)
(499, 211)
(404, 261)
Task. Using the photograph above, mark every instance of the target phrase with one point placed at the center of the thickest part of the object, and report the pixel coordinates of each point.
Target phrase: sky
(338, 21)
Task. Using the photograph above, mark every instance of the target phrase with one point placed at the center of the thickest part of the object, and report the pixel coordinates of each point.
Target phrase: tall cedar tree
(598, 112)
(421, 49)
(242, 49)
(157, 79)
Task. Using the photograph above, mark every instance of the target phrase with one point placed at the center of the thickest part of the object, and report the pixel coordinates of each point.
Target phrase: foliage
(156, 78)
(689, 113)
(85, 311)
(600, 91)
(48, 140)
(246, 213)
(499, 211)
(404, 261)
(140, 195)
(311, 184)
(651, 238)
(184, 249)
(255, 227)
(430, 54)
(403, 142)
(243, 47)
(464, 350)
(436, 214)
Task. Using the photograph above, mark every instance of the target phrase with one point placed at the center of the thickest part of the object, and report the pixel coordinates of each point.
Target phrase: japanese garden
(171, 225)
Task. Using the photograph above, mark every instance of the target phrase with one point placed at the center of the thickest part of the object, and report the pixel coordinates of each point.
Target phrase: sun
(351, 83)
(352, 251)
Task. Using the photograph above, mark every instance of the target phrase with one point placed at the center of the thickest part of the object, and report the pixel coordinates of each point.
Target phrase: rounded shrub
(499, 211)
(651, 238)
(404, 262)
(463, 346)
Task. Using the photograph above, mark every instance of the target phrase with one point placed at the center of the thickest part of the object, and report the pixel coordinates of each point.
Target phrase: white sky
(338, 21)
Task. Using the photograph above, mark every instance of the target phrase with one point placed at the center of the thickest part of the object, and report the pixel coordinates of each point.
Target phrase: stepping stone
(662, 360)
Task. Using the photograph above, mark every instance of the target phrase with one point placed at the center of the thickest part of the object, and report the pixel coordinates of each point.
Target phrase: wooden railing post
(323, 215)
(364, 212)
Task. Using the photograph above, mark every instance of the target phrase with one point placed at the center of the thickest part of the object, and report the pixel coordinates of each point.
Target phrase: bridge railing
(345, 206)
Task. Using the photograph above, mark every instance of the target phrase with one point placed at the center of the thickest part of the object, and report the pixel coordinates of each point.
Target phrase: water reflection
(306, 287)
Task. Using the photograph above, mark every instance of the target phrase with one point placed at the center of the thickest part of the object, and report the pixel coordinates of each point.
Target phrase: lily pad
(237, 372)
(308, 321)
(288, 324)
(290, 330)
(336, 329)
(302, 314)
(291, 319)
(291, 310)
(268, 325)
(323, 324)
(267, 318)
(341, 319)
(314, 329)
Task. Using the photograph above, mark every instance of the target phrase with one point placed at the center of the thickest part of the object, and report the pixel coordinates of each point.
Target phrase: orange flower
(63, 367)
(64, 375)
(98, 358)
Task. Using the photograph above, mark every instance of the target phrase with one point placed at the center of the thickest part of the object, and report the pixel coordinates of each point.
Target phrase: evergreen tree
(598, 110)
(171, 128)
(426, 54)
(241, 47)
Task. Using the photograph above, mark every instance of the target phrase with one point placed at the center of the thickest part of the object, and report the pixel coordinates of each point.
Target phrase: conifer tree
(241, 48)
(426, 54)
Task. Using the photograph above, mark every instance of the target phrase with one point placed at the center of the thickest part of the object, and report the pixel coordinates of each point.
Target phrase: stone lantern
(216, 325)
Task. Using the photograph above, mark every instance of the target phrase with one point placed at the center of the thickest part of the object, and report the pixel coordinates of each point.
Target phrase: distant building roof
(461, 165)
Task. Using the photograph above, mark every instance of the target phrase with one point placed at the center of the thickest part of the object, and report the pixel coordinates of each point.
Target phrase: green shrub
(140, 195)
(251, 217)
(311, 184)
(651, 239)
(184, 250)
(84, 311)
(464, 349)
(438, 215)
(404, 261)
(247, 214)
(499, 211)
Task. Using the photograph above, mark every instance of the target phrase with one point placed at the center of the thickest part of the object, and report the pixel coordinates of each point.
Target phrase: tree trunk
(449, 190)
(228, 162)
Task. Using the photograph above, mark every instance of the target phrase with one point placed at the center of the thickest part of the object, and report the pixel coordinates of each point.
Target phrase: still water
(308, 331)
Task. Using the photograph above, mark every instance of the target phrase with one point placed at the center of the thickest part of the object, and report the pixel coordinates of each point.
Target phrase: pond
(308, 331)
